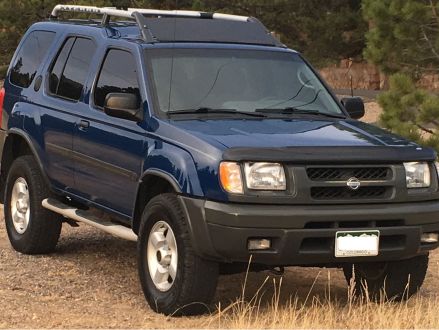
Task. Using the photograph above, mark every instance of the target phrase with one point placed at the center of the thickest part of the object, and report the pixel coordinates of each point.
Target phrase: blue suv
(208, 142)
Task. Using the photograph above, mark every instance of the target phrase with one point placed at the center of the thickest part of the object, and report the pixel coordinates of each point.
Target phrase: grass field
(327, 312)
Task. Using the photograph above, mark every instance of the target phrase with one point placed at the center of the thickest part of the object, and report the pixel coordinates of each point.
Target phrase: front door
(109, 151)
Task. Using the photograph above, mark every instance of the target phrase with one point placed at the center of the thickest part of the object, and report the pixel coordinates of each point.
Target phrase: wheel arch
(18, 143)
(153, 183)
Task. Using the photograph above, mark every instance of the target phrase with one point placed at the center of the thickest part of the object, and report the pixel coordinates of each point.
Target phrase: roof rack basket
(139, 15)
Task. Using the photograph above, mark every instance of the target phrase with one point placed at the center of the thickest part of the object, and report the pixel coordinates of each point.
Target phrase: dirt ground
(91, 282)
(373, 110)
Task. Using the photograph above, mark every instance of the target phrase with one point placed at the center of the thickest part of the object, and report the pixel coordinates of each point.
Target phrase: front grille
(343, 193)
(332, 183)
(344, 173)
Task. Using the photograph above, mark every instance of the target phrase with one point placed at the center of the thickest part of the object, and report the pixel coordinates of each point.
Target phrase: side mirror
(124, 106)
(354, 106)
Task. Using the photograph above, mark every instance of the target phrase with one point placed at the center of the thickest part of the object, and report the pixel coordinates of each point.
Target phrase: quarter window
(30, 57)
(118, 75)
(69, 73)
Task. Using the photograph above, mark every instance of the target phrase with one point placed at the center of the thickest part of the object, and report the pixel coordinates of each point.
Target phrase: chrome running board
(82, 216)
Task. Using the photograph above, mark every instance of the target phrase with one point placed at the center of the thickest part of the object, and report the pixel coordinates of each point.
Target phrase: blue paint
(186, 150)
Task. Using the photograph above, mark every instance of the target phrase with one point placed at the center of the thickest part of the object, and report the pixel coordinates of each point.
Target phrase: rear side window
(58, 67)
(30, 56)
(118, 75)
(69, 72)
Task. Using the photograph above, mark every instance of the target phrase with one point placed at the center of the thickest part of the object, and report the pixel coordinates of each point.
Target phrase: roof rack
(145, 17)
(128, 13)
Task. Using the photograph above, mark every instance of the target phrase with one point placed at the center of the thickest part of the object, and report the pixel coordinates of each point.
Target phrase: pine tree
(404, 38)
(410, 111)
(324, 31)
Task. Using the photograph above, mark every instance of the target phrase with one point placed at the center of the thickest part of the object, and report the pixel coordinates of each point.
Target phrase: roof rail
(139, 15)
(128, 13)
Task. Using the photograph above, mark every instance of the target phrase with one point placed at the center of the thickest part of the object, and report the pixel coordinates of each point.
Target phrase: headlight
(230, 177)
(265, 176)
(417, 175)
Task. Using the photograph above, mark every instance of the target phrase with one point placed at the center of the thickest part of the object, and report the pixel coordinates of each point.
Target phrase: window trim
(92, 102)
(53, 62)
(15, 58)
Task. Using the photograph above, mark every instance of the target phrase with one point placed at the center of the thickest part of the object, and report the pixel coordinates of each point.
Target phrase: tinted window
(118, 75)
(30, 56)
(67, 80)
(58, 67)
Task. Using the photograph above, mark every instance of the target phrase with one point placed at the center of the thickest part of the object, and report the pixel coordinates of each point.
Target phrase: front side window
(118, 75)
(30, 57)
(242, 80)
(70, 70)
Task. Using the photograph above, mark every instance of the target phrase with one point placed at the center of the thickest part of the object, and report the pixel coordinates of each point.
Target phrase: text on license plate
(357, 243)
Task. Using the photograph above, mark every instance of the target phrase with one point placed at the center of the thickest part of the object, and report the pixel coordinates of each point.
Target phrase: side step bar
(82, 216)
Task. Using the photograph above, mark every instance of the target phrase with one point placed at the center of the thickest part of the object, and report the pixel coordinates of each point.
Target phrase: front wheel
(174, 279)
(31, 228)
(393, 280)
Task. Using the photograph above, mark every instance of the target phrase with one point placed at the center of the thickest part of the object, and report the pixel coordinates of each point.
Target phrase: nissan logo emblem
(353, 183)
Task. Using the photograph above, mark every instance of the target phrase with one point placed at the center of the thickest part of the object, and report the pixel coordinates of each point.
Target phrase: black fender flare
(157, 173)
(33, 149)
(164, 175)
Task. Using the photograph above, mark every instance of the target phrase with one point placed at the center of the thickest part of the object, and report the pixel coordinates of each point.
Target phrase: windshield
(241, 80)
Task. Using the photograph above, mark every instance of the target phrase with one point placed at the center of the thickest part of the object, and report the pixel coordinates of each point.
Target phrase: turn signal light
(231, 178)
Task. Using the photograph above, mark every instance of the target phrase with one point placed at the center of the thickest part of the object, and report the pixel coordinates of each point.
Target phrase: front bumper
(305, 235)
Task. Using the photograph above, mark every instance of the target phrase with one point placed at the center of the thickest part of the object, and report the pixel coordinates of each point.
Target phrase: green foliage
(410, 111)
(403, 35)
(324, 31)
(404, 38)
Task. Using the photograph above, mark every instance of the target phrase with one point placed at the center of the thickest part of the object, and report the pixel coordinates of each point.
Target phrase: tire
(190, 289)
(393, 280)
(35, 229)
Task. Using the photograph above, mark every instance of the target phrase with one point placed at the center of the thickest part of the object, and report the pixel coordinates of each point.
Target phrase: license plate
(357, 243)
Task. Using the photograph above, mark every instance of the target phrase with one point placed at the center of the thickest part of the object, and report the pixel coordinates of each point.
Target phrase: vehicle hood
(281, 133)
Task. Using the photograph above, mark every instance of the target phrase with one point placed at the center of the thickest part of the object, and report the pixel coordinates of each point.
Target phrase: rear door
(62, 101)
(109, 151)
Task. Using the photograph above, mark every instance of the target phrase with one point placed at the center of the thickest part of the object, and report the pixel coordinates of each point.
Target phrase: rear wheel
(393, 280)
(174, 279)
(31, 228)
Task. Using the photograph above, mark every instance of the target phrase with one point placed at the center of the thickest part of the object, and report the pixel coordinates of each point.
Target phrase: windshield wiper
(204, 110)
(292, 110)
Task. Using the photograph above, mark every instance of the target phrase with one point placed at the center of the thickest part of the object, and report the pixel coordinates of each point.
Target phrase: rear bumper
(305, 235)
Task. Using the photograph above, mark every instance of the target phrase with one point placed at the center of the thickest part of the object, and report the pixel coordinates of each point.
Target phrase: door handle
(84, 124)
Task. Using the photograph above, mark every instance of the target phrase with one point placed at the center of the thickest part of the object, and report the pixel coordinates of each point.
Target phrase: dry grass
(417, 313)
(327, 312)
